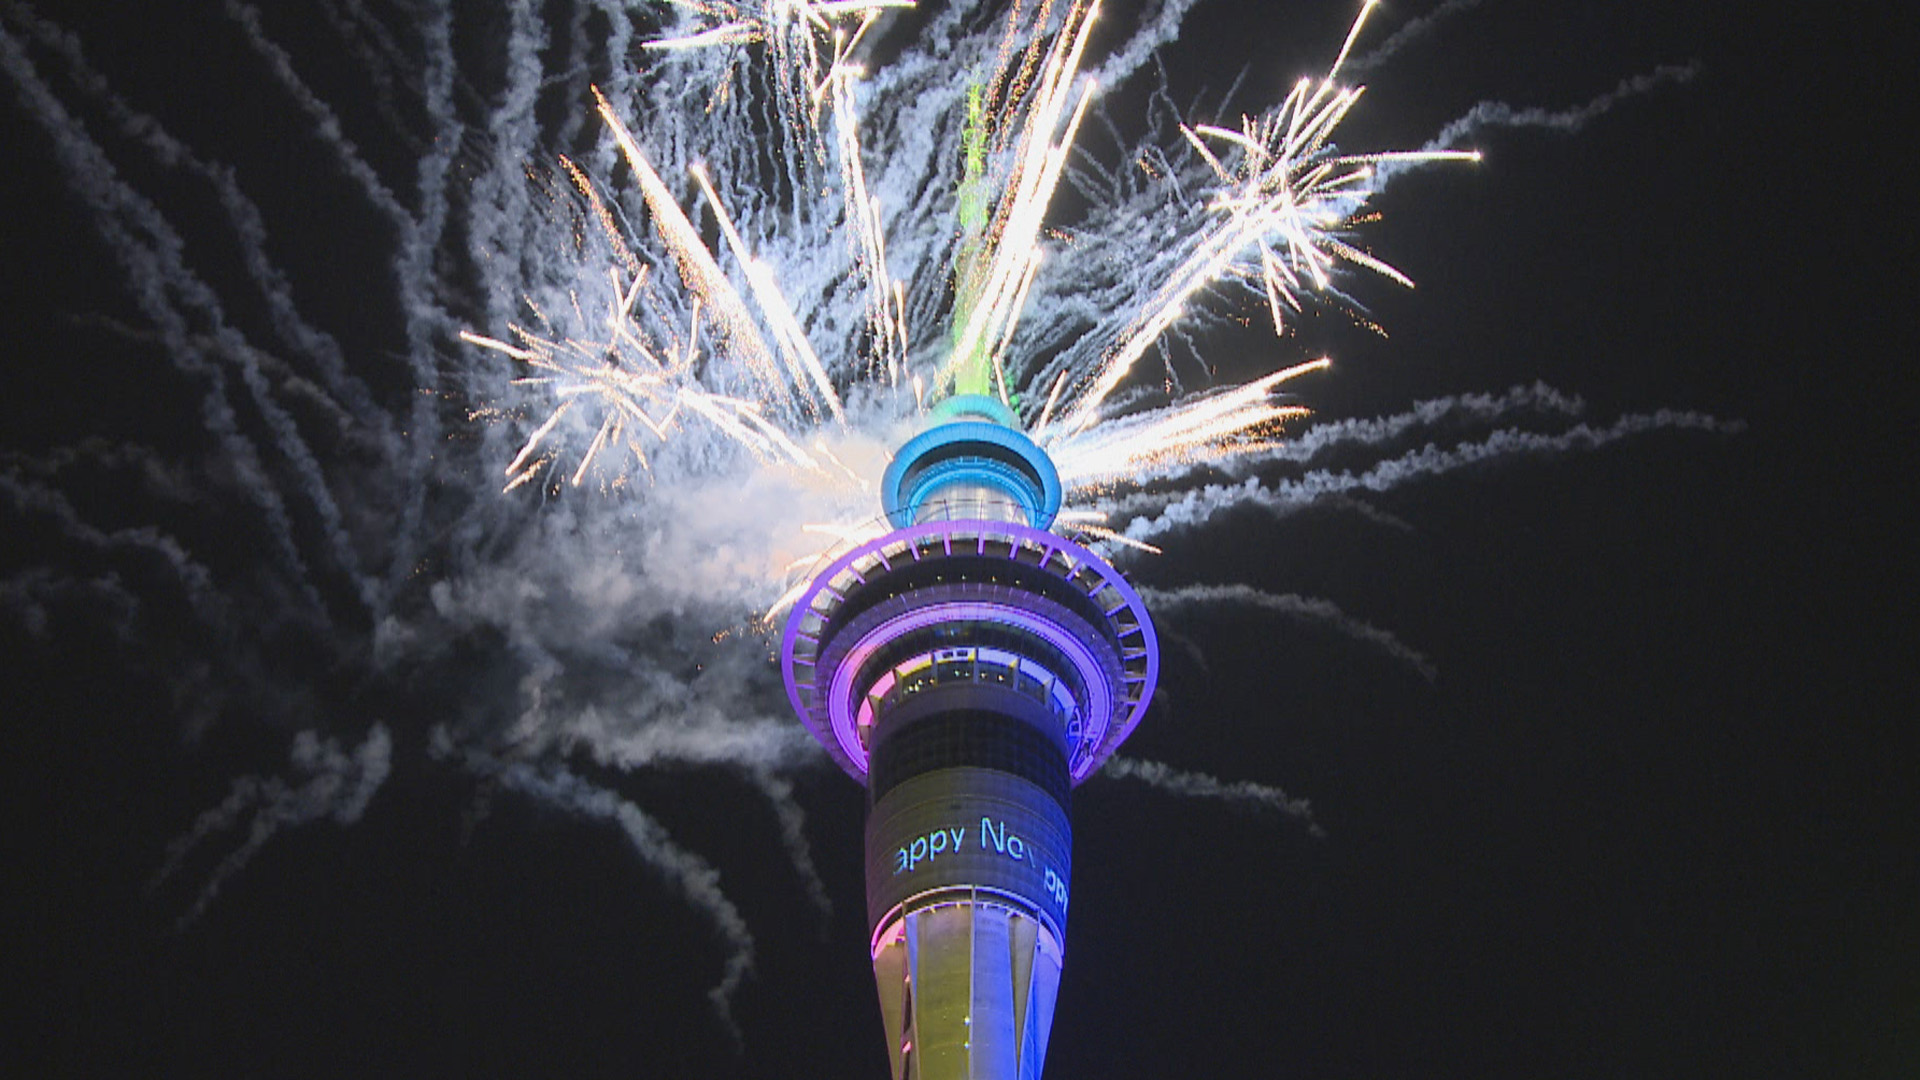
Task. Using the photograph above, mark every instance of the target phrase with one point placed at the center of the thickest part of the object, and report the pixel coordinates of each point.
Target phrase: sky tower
(969, 667)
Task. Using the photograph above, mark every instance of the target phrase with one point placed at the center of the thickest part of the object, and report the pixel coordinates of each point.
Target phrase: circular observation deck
(989, 602)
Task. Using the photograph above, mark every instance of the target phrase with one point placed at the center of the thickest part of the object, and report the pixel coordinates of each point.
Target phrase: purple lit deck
(1115, 676)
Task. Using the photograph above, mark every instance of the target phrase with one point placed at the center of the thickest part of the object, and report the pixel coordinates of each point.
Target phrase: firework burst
(1281, 205)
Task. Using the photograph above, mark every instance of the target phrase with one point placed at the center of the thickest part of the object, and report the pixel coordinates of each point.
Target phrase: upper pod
(974, 464)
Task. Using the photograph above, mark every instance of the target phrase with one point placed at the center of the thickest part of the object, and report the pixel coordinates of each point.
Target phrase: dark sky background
(1655, 817)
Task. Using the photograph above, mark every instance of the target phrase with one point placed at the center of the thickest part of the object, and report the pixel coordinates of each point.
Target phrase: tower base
(967, 985)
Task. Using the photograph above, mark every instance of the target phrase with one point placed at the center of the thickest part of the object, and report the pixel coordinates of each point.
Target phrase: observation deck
(1048, 618)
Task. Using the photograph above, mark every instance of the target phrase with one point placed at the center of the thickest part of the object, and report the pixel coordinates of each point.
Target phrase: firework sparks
(886, 298)
(806, 38)
(1286, 197)
(1279, 217)
(638, 383)
(1283, 205)
(1214, 425)
(1014, 258)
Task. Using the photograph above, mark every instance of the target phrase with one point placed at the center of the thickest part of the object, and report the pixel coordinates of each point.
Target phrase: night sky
(1655, 816)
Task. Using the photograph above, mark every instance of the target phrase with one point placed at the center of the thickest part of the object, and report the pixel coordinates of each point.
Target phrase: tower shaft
(970, 667)
(969, 855)
(967, 990)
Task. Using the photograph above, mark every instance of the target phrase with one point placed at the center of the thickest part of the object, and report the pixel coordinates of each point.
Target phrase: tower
(969, 667)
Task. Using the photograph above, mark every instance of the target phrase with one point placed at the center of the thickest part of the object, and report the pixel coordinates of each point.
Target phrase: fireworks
(753, 274)
(1284, 199)
(807, 40)
(1279, 208)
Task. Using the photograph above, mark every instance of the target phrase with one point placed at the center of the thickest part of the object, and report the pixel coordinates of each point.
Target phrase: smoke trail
(696, 879)
(1499, 114)
(759, 756)
(503, 234)
(658, 734)
(379, 56)
(1361, 66)
(1366, 511)
(151, 254)
(1194, 785)
(111, 573)
(1326, 437)
(1193, 508)
(793, 839)
(421, 296)
(338, 784)
(326, 124)
(1323, 437)
(673, 721)
(1167, 601)
(1158, 29)
(29, 597)
(243, 214)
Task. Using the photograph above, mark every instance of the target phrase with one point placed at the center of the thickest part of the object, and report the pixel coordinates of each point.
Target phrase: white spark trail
(798, 33)
(1285, 195)
(803, 365)
(868, 234)
(1202, 428)
(1034, 175)
(697, 267)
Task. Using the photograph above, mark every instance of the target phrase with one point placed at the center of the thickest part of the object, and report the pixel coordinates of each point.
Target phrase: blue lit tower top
(970, 667)
(971, 463)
